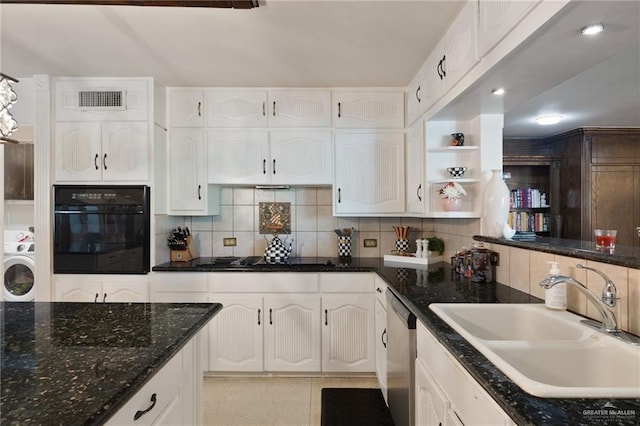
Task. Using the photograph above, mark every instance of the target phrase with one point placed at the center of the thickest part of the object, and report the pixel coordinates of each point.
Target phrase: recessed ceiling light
(498, 92)
(592, 29)
(549, 119)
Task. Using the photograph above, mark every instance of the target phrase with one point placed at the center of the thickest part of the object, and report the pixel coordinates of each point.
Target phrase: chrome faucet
(609, 322)
(609, 291)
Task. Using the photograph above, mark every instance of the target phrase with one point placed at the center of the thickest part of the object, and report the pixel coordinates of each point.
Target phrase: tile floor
(264, 401)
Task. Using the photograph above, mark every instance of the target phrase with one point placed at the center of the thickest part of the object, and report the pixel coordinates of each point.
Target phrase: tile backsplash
(312, 225)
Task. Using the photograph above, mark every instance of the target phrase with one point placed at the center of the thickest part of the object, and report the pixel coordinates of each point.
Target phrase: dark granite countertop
(78, 363)
(418, 287)
(622, 255)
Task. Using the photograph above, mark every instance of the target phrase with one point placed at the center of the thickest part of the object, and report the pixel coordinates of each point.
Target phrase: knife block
(187, 254)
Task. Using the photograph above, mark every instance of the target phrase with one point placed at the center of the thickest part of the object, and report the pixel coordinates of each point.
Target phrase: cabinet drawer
(271, 282)
(166, 386)
(188, 282)
(347, 282)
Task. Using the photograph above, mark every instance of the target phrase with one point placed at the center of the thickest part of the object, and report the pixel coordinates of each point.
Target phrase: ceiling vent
(101, 100)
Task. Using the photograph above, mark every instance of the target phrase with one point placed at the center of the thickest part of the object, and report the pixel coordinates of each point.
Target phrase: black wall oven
(101, 229)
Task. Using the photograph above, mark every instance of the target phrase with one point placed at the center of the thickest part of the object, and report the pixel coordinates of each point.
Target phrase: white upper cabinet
(189, 193)
(108, 151)
(454, 56)
(288, 157)
(236, 108)
(415, 158)
(369, 174)
(301, 157)
(368, 110)
(186, 108)
(101, 99)
(457, 51)
(275, 108)
(497, 18)
(299, 108)
(238, 156)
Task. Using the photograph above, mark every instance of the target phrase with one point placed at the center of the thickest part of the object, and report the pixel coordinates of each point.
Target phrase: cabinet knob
(339, 195)
(95, 300)
(199, 192)
(384, 343)
(259, 312)
(274, 166)
(418, 192)
(104, 298)
(418, 94)
(95, 161)
(326, 317)
(199, 109)
(104, 162)
(264, 166)
(274, 108)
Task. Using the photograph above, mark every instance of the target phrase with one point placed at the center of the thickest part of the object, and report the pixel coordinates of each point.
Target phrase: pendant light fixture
(8, 97)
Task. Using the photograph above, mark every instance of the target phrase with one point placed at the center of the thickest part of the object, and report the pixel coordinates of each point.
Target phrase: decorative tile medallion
(275, 218)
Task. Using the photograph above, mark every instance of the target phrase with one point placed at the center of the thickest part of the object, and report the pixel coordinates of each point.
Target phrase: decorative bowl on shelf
(456, 172)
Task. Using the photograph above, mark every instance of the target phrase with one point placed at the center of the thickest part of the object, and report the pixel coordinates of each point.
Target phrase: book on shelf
(528, 198)
(523, 221)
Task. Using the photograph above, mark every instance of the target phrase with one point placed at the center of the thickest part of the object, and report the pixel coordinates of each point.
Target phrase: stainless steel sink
(547, 353)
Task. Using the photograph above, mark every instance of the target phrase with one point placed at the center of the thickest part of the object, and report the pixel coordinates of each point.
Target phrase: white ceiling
(324, 43)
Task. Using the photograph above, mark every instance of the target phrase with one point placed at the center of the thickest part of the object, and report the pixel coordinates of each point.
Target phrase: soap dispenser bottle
(556, 296)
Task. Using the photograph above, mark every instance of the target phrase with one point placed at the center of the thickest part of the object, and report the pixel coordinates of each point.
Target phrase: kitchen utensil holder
(344, 247)
(189, 253)
(402, 245)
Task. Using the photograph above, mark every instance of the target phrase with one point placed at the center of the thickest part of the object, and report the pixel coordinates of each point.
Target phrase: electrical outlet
(370, 242)
(229, 242)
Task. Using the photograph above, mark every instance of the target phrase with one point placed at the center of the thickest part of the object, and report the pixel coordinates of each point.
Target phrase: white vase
(495, 205)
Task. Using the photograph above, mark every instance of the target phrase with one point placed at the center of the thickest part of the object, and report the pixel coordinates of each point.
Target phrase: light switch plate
(370, 242)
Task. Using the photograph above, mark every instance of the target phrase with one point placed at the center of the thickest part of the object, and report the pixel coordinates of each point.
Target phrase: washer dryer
(19, 266)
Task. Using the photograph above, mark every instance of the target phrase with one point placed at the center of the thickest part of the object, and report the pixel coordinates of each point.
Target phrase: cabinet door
(292, 333)
(296, 108)
(125, 151)
(497, 18)
(78, 152)
(415, 169)
(431, 404)
(187, 180)
(348, 326)
(236, 336)
(126, 292)
(459, 46)
(77, 291)
(186, 108)
(369, 173)
(238, 156)
(368, 110)
(301, 157)
(236, 108)
(616, 209)
(169, 404)
(381, 346)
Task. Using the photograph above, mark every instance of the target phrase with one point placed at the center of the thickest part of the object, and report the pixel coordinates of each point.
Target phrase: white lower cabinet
(292, 333)
(381, 346)
(286, 322)
(446, 393)
(347, 333)
(173, 396)
(236, 335)
(98, 289)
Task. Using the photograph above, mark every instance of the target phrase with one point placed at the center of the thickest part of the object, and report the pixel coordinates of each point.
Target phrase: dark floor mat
(354, 407)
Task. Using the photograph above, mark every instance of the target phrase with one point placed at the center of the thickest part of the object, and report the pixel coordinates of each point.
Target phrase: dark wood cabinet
(534, 181)
(18, 171)
(598, 180)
